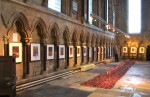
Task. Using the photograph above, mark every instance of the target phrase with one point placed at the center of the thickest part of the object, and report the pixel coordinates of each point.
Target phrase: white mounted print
(70, 51)
(84, 50)
(15, 49)
(78, 51)
(50, 51)
(61, 51)
(35, 52)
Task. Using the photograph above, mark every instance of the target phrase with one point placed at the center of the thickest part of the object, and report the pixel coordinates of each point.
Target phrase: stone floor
(135, 83)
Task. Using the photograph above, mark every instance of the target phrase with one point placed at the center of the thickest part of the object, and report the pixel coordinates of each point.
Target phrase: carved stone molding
(27, 41)
(6, 39)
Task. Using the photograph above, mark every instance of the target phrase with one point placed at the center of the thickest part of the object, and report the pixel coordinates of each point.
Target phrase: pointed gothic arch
(66, 34)
(54, 30)
(24, 24)
(42, 26)
(74, 36)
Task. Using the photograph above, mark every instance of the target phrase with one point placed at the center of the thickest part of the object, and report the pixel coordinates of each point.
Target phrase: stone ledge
(87, 67)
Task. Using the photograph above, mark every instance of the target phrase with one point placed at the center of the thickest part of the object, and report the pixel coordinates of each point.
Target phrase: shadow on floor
(54, 91)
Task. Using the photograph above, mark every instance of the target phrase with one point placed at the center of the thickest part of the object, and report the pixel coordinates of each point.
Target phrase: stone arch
(93, 38)
(66, 34)
(82, 37)
(97, 39)
(54, 30)
(74, 36)
(88, 37)
(42, 26)
(24, 24)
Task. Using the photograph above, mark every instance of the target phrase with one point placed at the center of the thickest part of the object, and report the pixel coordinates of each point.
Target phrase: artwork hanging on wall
(15, 49)
(102, 49)
(125, 50)
(99, 50)
(35, 52)
(50, 51)
(133, 50)
(84, 50)
(78, 51)
(142, 50)
(90, 52)
(70, 51)
(61, 51)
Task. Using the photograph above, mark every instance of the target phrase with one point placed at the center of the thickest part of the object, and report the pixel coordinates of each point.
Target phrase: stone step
(87, 67)
(44, 80)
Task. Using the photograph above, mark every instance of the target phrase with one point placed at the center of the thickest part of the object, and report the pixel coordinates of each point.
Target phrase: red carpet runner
(108, 79)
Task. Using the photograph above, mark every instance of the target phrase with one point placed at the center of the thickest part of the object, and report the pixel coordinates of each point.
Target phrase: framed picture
(90, 52)
(99, 50)
(16, 50)
(61, 51)
(84, 50)
(102, 49)
(50, 51)
(35, 52)
(133, 50)
(125, 50)
(78, 51)
(142, 50)
(70, 51)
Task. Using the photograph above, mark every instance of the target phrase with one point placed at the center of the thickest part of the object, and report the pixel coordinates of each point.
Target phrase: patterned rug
(108, 79)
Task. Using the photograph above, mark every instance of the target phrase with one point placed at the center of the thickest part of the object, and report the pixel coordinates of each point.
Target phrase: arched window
(55, 5)
(134, 16)
(90, 8)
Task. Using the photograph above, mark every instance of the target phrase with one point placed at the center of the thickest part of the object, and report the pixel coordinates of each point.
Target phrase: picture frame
(142, 50)
(50, 51)
(70, 51)
(84, 51)
(78, 51)
(99, 50)
(102, 49)
(125, 49)
(61, 51)
(90, 52)
(133, 50)
(15, 49)
(35, 52)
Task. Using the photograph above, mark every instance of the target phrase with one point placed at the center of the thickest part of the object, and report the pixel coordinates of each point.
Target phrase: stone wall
(34, 23)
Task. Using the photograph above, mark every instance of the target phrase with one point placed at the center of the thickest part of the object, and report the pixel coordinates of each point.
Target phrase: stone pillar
(67, 54)
(75, 53)
(27, 52)
(82, 52)
(88, 53)
(44, 44)
(6, 45)
(56, 55)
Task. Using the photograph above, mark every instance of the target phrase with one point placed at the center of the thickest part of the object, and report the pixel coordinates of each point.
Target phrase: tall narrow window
(90, 11)
(55, 5)
(134, 16)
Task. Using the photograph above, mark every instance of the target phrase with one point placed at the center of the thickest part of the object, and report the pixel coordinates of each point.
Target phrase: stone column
(6, 45)
(44, 44)
(88, 53)
(56, 55)
(67, 54)
(27, 56)
(82, 52)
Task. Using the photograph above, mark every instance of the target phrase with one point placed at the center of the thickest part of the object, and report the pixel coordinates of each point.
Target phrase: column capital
(44, 41)
(6, 39)
(27, 41)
